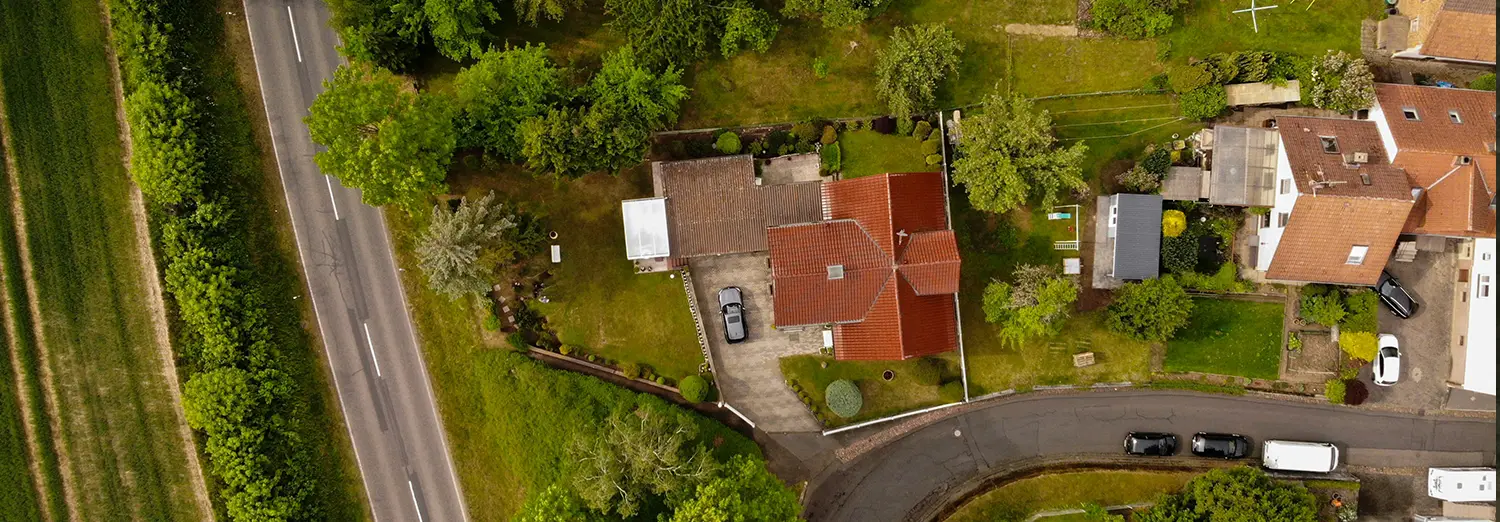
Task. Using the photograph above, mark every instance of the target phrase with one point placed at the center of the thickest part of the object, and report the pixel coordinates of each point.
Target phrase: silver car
(732, 307)
(1387, 368)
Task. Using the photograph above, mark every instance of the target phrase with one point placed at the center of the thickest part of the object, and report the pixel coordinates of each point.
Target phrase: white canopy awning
(646, 228)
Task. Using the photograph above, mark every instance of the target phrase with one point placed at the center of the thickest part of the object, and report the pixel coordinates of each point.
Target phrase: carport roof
(645, 228)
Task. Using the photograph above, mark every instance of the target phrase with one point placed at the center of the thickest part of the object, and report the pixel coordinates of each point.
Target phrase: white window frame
(1415, 116)
(1357, 254)
(1454, 117)
(1114, 215)
(1286, 187)
(1282, 218)
(1484, 287)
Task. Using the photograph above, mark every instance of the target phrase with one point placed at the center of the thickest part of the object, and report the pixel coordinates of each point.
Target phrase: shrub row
(239, 391)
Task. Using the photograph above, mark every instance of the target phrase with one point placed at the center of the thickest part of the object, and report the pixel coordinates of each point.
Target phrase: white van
(1289, 455)
(1461, 484)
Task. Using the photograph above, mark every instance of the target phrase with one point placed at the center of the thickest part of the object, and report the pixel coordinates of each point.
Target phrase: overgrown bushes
(1335, 390)
(1135, 18)
(1359, 345)
(239, 389)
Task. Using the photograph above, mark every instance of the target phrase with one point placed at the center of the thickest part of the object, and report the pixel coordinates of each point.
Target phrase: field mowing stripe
(1116, 121)
(1163, 124)
(1115, 108)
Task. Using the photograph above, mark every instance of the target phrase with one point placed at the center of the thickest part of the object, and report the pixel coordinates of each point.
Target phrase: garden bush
(1335, 390)
(1355, 392)
(802, 148)
(728, 143)
(1179, 255)
(1485, 82)
(934, 159)
(1159, 82)
(1204, 102)
(1173, 223)
(1359, 345)
(1139, 180)
(569, 349)
(904, 126)
(1188, 78)
(927, 371)
(932, 146)
(820, 67)
(1151, 310)
(1339, 82)
(694, 388)
(951, 391)
(843, 398)
(832, 158)
(1226, 279)
(631, 370)
(1325, 308)
(922, 131)
(1135, 18)
(757, 147)
(805, 132)
(829, 135)
(1363, 315)
(491, 322)
(661, 380)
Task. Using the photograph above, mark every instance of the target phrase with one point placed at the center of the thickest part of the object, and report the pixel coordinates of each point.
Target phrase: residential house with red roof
(1451, 30)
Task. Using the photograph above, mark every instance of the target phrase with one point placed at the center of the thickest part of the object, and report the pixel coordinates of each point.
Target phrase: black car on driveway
(1395, 296)
(1221, 445)
(1154, 444)
(732, 306)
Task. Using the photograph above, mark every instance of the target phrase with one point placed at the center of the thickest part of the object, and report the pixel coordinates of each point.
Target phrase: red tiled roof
(1316, 243)
(900, 267)
(1434, 130)
(1455, 199)
(1464, 30)
(1303, 139)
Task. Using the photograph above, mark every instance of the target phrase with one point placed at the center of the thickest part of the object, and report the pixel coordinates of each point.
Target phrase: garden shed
(1262, 93)
(1132, 239)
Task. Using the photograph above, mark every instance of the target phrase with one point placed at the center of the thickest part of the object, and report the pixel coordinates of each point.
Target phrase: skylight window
(1330, 144)
(835, 271)
(1453, 117)
(1410, 113)
(1357, 255)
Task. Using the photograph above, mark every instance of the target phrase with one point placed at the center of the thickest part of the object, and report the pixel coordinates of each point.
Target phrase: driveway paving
(1424, 337)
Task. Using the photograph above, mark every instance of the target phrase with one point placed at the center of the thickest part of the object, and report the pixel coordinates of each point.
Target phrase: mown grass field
(1017, 500)
(1305, 27)
(242, 154)
(881, 398)
(868, 153)
(119, 425)
(1229, 337)
(21, 500)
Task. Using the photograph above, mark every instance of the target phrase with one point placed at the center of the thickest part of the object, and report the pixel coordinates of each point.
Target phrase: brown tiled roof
(1455, 199)
(1311, 165)
(714, 206)
(1464, 30)
(1323, 229)
(900, 267)
(1434, 131)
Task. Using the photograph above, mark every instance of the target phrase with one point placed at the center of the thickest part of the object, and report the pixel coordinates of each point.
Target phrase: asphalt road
(890, 482)
(346, 252)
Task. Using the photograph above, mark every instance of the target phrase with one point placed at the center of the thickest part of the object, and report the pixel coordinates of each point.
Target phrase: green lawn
(119, 424)
(867, 153)
(1229, 337)
(19, 501)
(1019, 499)
(507, 421)
(1302, 27)
(994, 366)
(881, 398)
(1050, 66)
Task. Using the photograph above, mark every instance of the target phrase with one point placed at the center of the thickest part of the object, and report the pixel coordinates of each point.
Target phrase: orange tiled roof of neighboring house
(897, 265)
(1454, 199)
(1434, 129)
(1432, 150)
(1464, 30)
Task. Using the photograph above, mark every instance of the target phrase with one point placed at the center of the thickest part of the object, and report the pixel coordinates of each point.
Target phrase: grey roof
(1244, 167)
(1183, 184)
(1262, 93)
(715, 207)
(1137, 236)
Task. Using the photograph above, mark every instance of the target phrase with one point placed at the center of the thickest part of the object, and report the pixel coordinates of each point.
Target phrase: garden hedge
(843, 398)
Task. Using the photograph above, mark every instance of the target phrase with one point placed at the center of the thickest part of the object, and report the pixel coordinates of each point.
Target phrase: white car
(1387, 361)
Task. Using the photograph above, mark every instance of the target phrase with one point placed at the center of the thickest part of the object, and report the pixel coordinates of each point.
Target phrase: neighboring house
(874, 259)
(1451, 30)
(1132, 239)
(882, 267)
(1445, 140)
(1339, 205)
(1473, 349)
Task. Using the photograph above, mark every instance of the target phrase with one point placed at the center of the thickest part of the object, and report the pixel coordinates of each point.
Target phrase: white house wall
(1270, 236)
(1479, 365)
(1387, 139)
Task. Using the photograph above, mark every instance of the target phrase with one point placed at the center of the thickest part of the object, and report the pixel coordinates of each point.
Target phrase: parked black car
(1156, 444)
(1395, 297)
(1221, 445)
(732, 306)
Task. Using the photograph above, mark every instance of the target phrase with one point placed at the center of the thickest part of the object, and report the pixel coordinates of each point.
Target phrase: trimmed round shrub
(728, 143)
(926, 371)
(923, 130)
(1335, 390)
(934, 159)
(631, 370)
(661, 380)
(1355, 392)
(829, 135)
(843, 398)
(491, 322)
(931, 147)
(952, 391)
(568, 349)
(1173, 223)
(694, 388)
(904, 126)
(1359, 345)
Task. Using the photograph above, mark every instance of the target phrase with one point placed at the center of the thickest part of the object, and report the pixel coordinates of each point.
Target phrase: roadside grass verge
(1305, 28)
(868, 153)
(1019, 499)
(19, 500)
(881, 398)
(508, 419)
(119, 423)
(1230, 338)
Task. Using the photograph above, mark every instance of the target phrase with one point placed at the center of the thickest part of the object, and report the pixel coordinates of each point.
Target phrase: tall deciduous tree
(647, 451)
(387, 33)
(913, 64)
(459, 250)
(744, 492)
(505, 88)
(533, 11)
(1241, 494)
(679, 32)
(1009, 155)
(555, 504)
(746, 28)
(458, 26)
(1151, 310)
(1034, 306)
(835, 13)
(623, 103)
(390, 142)
(1340, 82)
